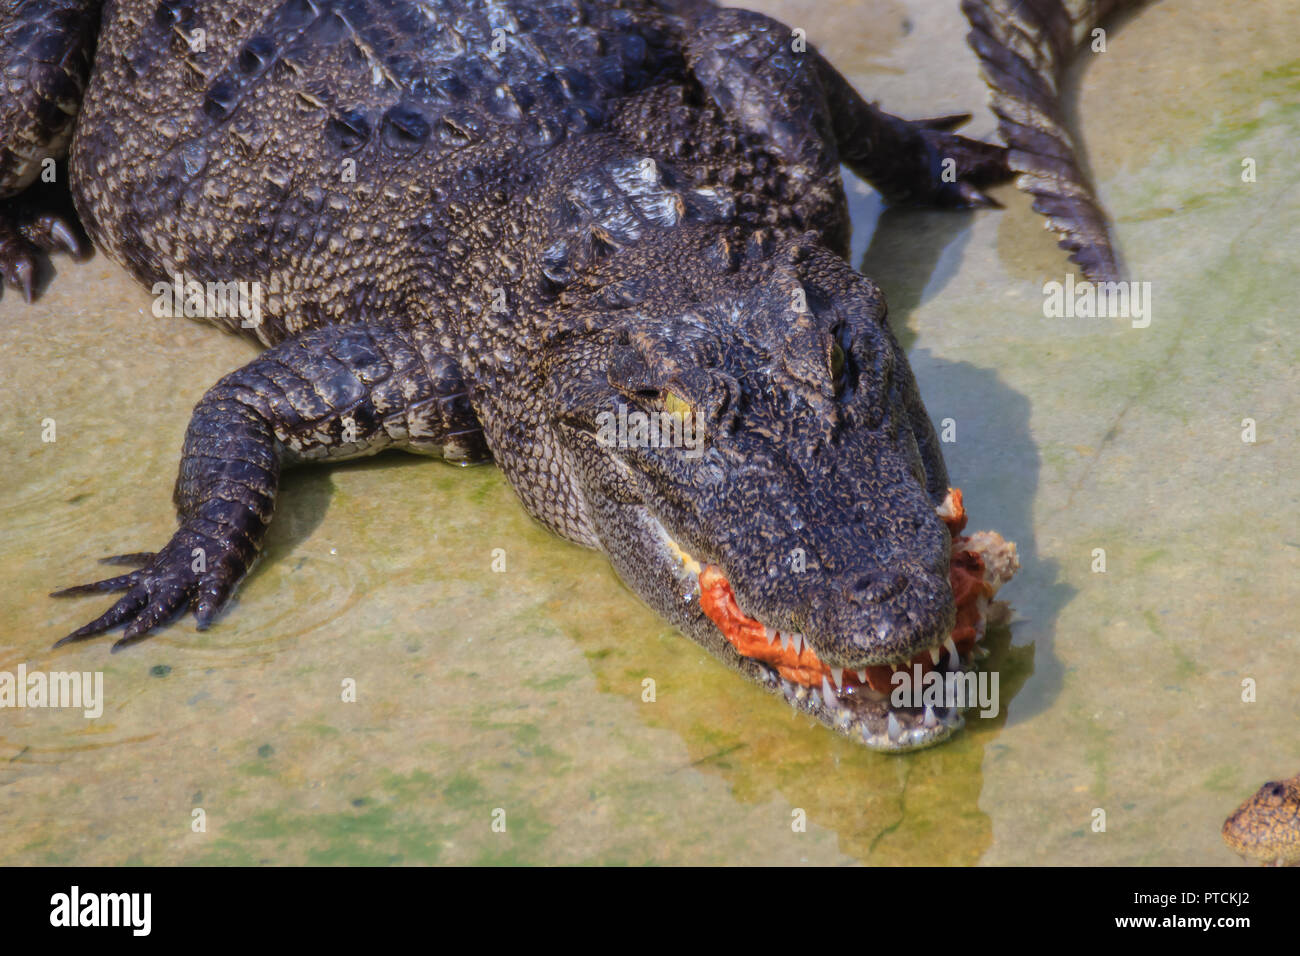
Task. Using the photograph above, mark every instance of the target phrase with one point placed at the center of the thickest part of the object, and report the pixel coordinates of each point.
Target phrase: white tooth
(934, 656)
(770, 635)
(816, 699)
(954, 659)
(827, 690)
(785, 640)
(862, 676)
(837, 676)
(930, 719)
(866, 734)
(895, 729)
(798, 645)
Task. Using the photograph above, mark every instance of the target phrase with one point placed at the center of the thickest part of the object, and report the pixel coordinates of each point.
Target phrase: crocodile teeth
(827, 690)
(837, 676)
(770, 635)
(797, 641)
(895, 728)
(954, 659)
(862, 676)
(930, 719)
(934, 656)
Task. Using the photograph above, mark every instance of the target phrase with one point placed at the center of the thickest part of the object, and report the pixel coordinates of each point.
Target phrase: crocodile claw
(25, 237)
(68, 239)
(977, 164)
(132, 559)
(21, 273)
(164, 587)
(51, 232)
(956, 168)
(945, 123)
(56, 233)
(973, 198)
(119, 583)
(119, 613)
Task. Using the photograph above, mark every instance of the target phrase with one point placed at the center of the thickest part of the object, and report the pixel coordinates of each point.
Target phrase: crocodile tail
(1024, 47)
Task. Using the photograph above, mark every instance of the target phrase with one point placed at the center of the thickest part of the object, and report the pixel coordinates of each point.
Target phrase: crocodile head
(1267, 826)
(793, 478)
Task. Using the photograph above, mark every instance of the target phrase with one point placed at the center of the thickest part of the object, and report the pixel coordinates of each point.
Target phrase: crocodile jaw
(842, 699)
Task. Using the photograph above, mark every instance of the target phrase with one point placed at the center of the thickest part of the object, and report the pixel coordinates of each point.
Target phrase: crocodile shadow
(913, 254)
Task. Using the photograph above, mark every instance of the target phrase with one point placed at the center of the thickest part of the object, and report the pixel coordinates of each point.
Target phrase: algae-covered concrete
(483, 695)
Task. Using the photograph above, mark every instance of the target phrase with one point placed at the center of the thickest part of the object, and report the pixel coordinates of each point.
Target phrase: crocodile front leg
(46, 47)
(334, 393)
(785, 92)
(913, 162)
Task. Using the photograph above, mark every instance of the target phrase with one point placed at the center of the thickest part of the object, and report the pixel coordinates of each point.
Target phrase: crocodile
(483, 230)
(1267, 826)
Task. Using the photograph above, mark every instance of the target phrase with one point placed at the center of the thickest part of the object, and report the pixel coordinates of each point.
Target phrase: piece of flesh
(981, 564)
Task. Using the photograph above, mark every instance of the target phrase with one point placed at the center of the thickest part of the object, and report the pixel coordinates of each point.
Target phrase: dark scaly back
(225, 162)
(228, 161)
(474, 172)
(1024, 47)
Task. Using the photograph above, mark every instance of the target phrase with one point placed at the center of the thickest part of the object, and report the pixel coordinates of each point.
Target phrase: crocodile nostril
(879, 587)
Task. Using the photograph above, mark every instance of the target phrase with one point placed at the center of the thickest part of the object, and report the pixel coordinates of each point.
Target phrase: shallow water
(522, 690)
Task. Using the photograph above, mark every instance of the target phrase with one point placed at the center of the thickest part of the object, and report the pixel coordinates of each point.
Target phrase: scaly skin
(479, 227)
(1267, 826)
(1024, 47)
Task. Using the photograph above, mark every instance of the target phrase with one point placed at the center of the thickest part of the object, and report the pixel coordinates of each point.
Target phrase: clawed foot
(192, 573)
(961, 167)
(27, 235)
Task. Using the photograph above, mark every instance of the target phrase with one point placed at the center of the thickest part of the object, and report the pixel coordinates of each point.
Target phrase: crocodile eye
(837, 366)
(675, 404)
